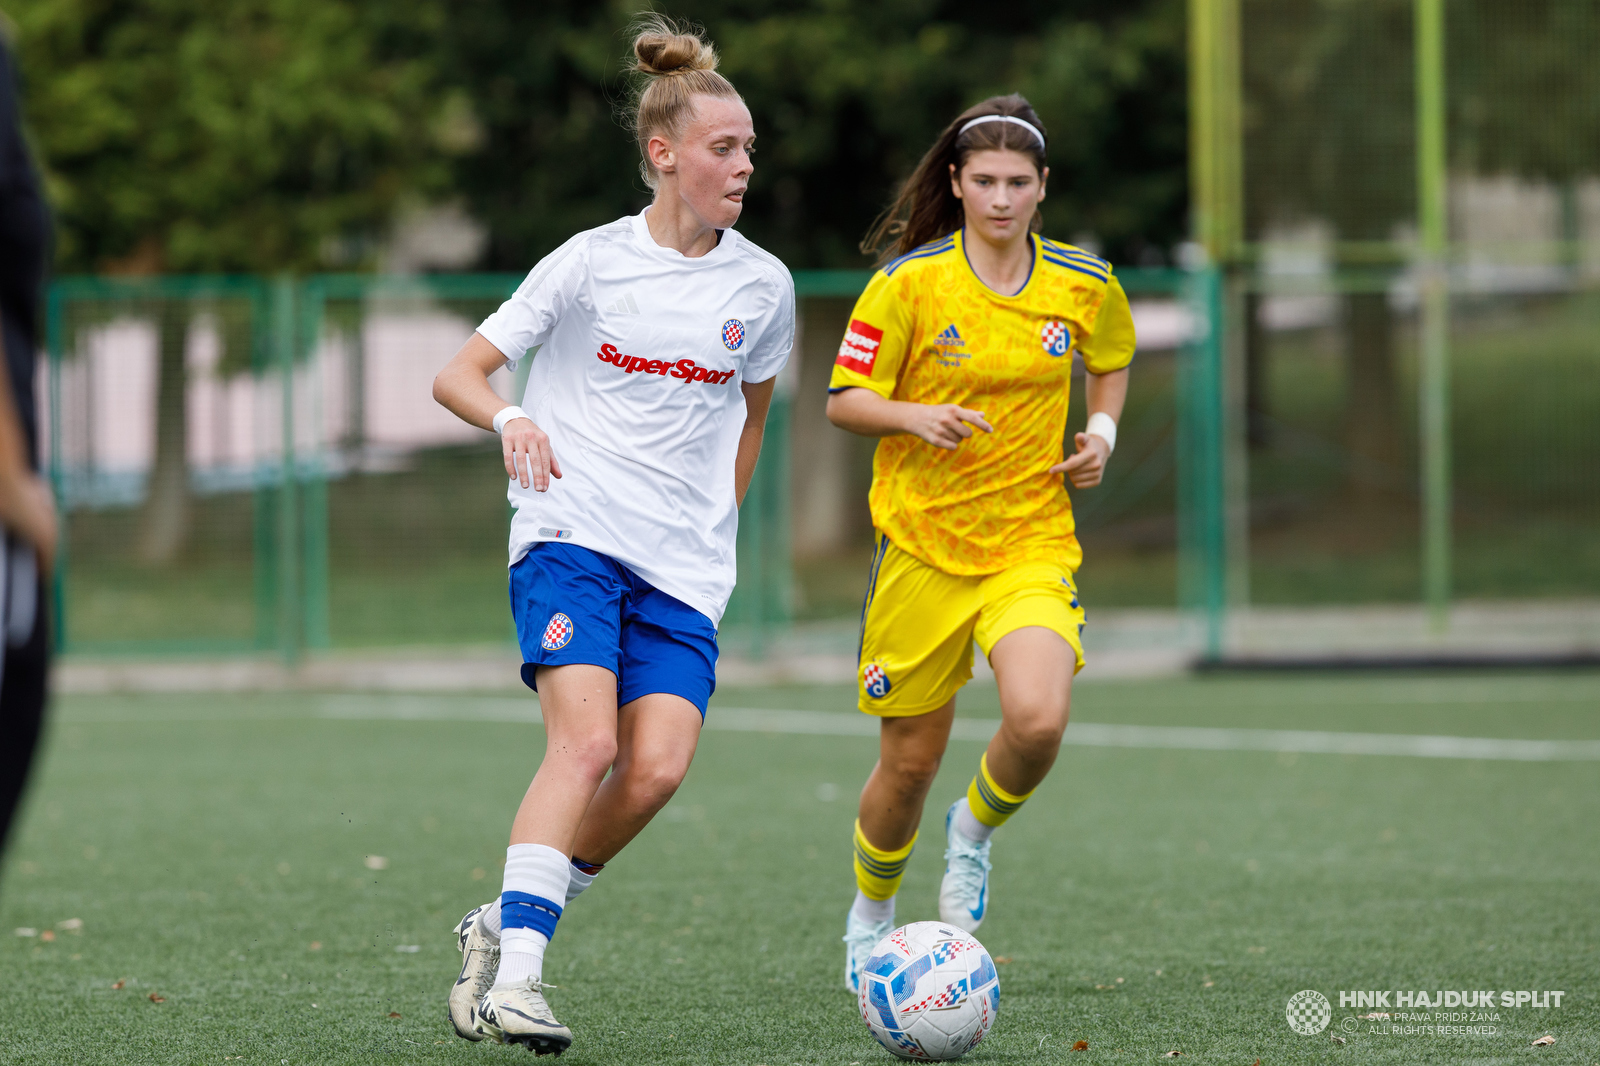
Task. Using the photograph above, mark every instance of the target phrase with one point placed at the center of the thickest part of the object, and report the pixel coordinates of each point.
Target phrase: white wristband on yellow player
(1103, 426)
(508, 413)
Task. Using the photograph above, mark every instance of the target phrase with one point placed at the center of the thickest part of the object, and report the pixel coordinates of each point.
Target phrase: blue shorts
(573, 605)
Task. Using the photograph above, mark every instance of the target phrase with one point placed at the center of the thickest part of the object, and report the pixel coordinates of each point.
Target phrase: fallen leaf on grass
(119, 984)
(408, 949)
(1336, 1040)
(1002, 960)
(47, 935)
(1208, 984)
(394, 1014)
(25, 931)
(157, 998)
(71, 925)
(1544, 1041)
(1173, 1055)
(376, 862)
(1081, 1045)
(316, 945)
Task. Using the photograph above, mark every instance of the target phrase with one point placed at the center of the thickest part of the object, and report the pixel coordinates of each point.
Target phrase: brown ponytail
(674, 62)
(925, 208)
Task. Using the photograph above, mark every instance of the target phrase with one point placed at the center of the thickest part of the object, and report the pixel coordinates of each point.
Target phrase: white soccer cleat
(964, 892)
(480, 958)
(860, 937)
(519, 1015)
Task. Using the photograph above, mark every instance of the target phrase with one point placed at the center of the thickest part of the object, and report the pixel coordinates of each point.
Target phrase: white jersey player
(658, 337)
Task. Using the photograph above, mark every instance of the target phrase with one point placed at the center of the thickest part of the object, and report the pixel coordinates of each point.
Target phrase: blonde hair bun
(675, 64)
(664, 48)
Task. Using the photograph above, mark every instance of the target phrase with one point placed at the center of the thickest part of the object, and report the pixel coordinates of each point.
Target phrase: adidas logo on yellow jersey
(949, 348)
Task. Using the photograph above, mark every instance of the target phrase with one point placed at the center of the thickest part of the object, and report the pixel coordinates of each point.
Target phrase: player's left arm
(1106, 355)
(1104, 394)
(757, 399)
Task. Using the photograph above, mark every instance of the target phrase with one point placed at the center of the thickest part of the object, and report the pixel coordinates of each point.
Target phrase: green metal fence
(1404, 199)
(252, 464)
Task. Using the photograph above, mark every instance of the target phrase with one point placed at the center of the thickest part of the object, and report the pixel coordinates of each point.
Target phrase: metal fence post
(1202, 562)
(54, 343)
(1434, 376)
(288, 540)
(313, 478)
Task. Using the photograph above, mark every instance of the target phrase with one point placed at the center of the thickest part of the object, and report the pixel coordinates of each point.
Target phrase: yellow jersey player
(959, 355)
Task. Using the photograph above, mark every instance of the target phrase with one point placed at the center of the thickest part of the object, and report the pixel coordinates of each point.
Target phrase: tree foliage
(1330, 103)
(196, 135)
(217, 135)
(846, 94)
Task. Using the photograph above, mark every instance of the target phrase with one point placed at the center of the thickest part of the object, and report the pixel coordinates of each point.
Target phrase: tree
(1331, 110)
(846, 94)
(225, 135)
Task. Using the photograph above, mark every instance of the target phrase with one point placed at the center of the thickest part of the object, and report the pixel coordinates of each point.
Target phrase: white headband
(1024, 123)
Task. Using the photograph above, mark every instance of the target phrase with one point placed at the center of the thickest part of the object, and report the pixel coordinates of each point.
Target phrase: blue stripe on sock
(994, 802)
(520, 910)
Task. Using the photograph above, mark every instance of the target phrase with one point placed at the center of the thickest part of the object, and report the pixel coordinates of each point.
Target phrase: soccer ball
(929, 991)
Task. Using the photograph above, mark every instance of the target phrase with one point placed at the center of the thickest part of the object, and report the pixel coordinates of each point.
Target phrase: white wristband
(507, 414)
(1103, 426)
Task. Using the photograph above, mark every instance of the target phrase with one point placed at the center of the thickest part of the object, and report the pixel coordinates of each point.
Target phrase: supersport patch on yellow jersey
(927, 330)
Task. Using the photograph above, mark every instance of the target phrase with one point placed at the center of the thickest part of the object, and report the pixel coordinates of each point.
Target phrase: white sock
(536, 878)
(489, 921)
(873, 911)
(577, 881)
(968, 826)
(521, 957)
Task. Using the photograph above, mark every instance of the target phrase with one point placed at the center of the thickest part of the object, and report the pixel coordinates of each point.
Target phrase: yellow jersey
(927, 330)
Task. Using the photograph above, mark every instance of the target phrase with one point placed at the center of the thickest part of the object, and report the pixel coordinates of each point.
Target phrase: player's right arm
(463, 388)
(943, 425)
(522, 323)
(861, 392)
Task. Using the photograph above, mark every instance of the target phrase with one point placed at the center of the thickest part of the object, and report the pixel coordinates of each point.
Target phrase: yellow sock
(878, 872)
(990, 803)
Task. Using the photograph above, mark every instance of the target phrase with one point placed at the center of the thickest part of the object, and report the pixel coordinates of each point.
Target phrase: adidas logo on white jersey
(624, 306)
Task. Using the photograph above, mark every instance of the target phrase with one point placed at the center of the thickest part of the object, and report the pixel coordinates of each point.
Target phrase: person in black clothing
(27, 545)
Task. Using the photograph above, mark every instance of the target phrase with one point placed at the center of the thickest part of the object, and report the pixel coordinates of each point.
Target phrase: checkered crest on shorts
(557, 633)
(875, 681)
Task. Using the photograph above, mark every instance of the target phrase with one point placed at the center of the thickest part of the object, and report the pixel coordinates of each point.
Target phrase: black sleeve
(24, 241)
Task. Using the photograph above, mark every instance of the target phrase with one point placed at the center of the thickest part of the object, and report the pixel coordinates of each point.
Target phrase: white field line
(1083, 734)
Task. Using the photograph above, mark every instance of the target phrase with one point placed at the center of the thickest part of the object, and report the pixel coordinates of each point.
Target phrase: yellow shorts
(918, 625)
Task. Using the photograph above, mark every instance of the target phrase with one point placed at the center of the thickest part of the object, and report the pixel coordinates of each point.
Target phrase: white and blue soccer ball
(930, 991)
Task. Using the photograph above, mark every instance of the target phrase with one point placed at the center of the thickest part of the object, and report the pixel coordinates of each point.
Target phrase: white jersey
(641, 352)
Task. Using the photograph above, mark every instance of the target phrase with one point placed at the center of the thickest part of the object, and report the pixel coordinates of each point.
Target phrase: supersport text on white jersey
(641, 352)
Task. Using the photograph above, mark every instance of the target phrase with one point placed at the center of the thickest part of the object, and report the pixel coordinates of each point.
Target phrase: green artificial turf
(215, 849)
